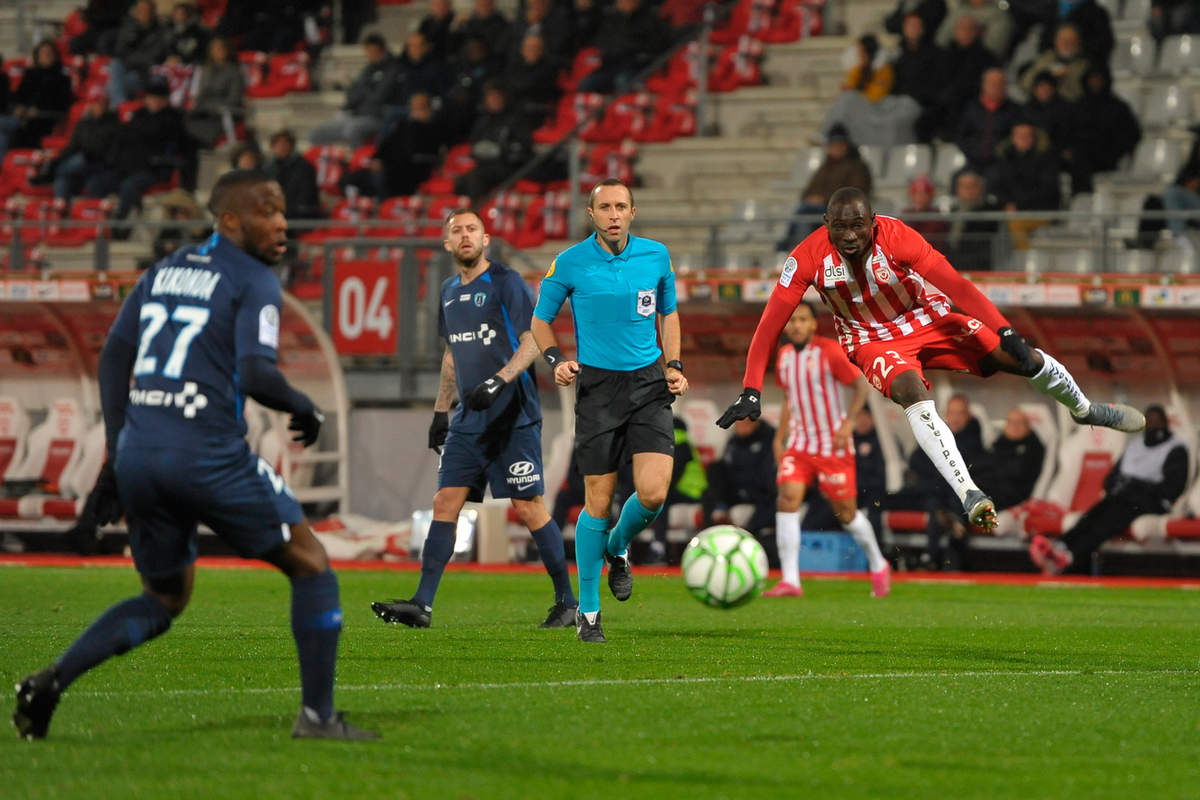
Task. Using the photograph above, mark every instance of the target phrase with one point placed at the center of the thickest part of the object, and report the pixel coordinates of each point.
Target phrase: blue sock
(633, 520)
(590, 535)
(550, 545)
(439, 546)
(118, 630)
(316, 625)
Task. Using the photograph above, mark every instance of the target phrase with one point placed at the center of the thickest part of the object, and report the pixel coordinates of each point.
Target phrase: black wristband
(553, 356)
(675, 363)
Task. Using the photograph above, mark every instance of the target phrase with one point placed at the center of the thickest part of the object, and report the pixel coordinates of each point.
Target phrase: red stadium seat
(83, 209)
(586, 62)
(10, 211)
(399, 217)
(46, 210)
(330, 162)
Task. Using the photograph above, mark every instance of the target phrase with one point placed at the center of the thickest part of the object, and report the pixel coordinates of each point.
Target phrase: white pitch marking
(584, 683)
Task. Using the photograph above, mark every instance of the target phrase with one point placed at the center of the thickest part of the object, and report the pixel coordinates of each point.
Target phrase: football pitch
(940, 690)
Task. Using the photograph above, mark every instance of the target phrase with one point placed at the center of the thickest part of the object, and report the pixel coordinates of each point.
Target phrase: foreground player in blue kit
(620, 286)
(496, 436)
(198, 333)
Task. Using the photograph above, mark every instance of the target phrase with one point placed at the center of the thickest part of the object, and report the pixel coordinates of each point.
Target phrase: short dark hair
(375, 39)
(609, 182)
(228, 184)
(284, 133)
(847, 195)
(454, 212)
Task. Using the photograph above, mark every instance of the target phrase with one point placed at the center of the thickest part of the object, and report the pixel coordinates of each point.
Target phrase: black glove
(105, 498)
(438, 430)
(307, 426)
(1018, 348)
(484, 394)
(747, 406)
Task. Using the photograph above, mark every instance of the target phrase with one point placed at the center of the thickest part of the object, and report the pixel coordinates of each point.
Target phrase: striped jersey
(812, 377)
(885, 299)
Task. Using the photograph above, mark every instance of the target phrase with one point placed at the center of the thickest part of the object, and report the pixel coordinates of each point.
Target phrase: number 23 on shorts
(881, 368)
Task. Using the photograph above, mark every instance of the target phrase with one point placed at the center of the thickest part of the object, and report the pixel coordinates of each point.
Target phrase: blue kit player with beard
(495, 438)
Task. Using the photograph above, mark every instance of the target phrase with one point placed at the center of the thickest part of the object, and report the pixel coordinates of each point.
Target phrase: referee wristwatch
(675, 364)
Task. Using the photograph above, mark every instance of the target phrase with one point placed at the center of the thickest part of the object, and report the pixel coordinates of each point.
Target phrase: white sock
(787, 539)
(1054, 380)
(860, 528)
(937, 441)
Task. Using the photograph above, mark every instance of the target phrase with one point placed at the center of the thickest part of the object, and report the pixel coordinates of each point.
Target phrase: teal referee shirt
(614, 300)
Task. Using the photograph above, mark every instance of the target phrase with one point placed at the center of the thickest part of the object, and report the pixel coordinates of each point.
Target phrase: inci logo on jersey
(189, 400)
(522, 473)
(484, 335)
(480, 299)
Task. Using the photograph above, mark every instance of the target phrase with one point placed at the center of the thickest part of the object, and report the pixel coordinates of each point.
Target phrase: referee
(618, 284)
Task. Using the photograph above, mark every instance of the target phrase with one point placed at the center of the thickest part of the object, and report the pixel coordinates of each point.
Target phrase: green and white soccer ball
(724, 566)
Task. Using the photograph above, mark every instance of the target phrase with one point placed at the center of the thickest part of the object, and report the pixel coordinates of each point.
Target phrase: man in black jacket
(500, 143)
(1149, 477)
(630, 37)
(1011, 468)
(367, 98)
(295, 175)
(88, 152)
(745, 473)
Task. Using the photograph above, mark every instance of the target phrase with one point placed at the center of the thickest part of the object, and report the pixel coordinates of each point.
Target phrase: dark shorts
(167, 492)
(515, 472)
(618, 414)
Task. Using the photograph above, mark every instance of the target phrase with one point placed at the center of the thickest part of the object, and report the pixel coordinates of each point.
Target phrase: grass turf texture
(936, 691)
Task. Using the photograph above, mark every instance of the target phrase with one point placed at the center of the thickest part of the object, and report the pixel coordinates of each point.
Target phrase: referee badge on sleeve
(646, 302)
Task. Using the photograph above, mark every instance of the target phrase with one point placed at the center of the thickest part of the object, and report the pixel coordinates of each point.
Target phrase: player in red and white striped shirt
(874, 273)
(815, 441)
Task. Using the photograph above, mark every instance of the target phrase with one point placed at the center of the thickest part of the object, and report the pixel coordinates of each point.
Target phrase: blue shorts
(515, 472)
(167, 492)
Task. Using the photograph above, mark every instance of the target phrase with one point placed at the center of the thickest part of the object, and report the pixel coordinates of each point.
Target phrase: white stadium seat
(14, 436)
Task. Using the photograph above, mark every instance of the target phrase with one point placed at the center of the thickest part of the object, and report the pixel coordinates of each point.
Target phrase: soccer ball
(724, 566)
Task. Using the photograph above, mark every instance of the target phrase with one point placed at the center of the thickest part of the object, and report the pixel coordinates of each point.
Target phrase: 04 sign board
(365, 307)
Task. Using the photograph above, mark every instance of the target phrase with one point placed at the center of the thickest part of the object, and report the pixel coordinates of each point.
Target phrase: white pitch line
(590, 682)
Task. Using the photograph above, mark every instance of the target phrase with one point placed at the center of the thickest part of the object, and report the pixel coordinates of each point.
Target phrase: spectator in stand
(186, 37)
(103, 18)
(1010, 469)
(139, 46)
(1173, 17)
(987, 121)
(931, 12)
(1099, 148)
(1048, 111)
(150, 147)
(40, 102)
(248, 156)
(870, 471)
(629, 38)
(405, 156)
(545, 19)
(843, 166)
(189, 224)
(8, 123)
(366, 100)
(993, 20)
(1149, 477)
(945, 530)
(865, 107)
(919, 58)
(586, 16)
(296, 176)
(500, 143)
(963, 63)
(920, 195)
(688, 482)
(420, 69)
(475, 64)
(745, 474)
(89, 151)
(532, 79)
(1024, 177)
(436, 26)
(483, 22)
(1183, 194)
(1089, 19)
(220, 96)
(1065, 61)
(969, 241)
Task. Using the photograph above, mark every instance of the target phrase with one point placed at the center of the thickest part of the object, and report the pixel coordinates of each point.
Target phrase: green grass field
(940, 690)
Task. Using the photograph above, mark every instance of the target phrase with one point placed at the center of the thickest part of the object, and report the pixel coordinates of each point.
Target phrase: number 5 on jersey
(155, 315)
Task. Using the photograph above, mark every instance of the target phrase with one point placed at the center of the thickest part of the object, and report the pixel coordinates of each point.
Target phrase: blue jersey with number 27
(192, 316)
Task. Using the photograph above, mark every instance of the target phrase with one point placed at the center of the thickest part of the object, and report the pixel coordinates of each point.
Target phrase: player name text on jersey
(186, 282)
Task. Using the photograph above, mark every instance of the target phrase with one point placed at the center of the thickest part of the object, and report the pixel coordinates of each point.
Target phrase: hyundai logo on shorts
(521, 468)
